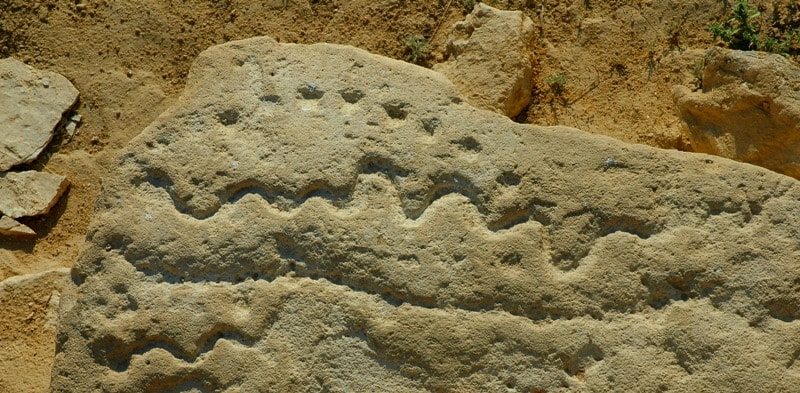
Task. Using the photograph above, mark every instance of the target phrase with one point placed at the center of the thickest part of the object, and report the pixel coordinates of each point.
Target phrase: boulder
(30, 193)
(31, 105)
(10, 227)
(317, 218)
(488, 59)
(748, 109)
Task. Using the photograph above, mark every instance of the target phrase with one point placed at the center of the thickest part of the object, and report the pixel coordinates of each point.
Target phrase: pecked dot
(311, 91)
(396, 109)
(509, 179)
(430, 125)
(468, 144)
(351, 96)
(228, 117)
(270, 98)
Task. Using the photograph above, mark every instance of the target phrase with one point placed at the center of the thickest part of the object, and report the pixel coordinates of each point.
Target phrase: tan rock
(10, 227)
(316, 218)
(31, 104)
(488, 59)
(748, 109)
(27, 327)
(30, 193)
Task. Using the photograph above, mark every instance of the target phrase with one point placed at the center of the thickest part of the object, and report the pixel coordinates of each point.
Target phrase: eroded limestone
(379, 234)
(747, 109)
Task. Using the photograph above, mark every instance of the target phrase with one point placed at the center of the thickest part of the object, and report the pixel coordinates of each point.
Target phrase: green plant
(739, 29)
(557, 84)
(697, 73)
(417, 48)
(674, 32)
(652, 62)
(746, 27)
(468, 5)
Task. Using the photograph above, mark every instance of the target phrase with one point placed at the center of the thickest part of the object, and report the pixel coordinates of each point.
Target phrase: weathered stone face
(748, 109)
(489, 59)
(316, 218)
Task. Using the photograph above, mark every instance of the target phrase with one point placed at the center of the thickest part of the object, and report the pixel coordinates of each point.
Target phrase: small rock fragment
(72, 126)
(10, 227)
(30, 107)
(30, 193)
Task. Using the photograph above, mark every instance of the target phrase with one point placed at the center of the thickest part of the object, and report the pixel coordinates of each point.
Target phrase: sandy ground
(128, 58)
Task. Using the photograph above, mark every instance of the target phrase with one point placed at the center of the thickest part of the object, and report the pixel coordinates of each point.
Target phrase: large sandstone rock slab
(748, 109)
(31, 104)
(488, 59)
(316, 218)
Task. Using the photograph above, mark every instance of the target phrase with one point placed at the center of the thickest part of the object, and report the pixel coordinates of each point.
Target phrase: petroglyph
(319, 218)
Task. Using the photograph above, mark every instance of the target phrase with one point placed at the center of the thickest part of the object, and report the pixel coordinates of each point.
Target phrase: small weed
(468, 5)
(557, 84)
(674, 32)
(739, 29)
(697, 73)
(746, 27)
(417, 48)
(652, 62)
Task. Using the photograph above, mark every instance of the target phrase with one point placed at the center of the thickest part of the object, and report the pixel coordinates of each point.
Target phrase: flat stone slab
(317, 218)
(30, 193)
(31, 104)
(10, 227)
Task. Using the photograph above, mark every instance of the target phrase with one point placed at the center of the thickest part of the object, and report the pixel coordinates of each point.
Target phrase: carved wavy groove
(117, 355)
(295, 258)
(414, 205)
(305, 255)
(592, 222)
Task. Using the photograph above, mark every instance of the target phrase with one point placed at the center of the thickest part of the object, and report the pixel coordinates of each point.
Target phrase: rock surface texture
(30, 193)
(488, 59)
(316, 218)
(748, 109)
(31, 104)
